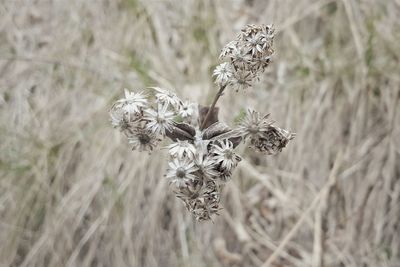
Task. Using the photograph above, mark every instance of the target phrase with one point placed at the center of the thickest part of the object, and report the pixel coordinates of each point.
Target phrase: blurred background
(72, 193)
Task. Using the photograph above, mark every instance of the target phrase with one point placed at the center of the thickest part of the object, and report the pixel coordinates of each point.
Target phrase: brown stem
(210, 110)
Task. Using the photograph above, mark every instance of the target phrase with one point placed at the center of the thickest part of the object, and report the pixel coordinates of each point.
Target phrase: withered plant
(202, 155)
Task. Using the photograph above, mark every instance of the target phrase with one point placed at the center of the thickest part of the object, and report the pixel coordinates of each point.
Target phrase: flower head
(272, 140)
(242, 80)
(133, 103)
(181, 171)
(206, 165)
(142, 139)
(224, 154)
(255, 43)
(190, 190)
(263, 34)
(260, 63)
(182, 149)
(241, 59)
(119, 118)
(228, 49)
(248, 56)
(167, 97)
(253, 124)
(186, 109)
(160, 120)
(223, 73)
(203, 203)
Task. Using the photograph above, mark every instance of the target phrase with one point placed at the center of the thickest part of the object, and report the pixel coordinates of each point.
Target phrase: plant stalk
(210, 110)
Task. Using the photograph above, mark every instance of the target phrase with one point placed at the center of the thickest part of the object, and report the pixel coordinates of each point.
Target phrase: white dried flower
(224, 154)
(119, 118)
(259, 64)
(202, 153)
(181, 171)
(182, 149)
(256, 44)
(190, 190)
(133, 103)
(159, 121)
(142, 139)
(266, 31)
(242, 80)
(228, 48)
(206, 166)
(164, 97)
(248, 55)
(253, 124)
(223, 73)
(241, 59)
(186, 109)
(259, 40)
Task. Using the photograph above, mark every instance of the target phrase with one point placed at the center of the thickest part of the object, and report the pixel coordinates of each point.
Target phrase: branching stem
(210, 110)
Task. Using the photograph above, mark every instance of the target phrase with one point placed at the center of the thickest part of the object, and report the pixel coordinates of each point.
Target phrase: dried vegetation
(72, 193)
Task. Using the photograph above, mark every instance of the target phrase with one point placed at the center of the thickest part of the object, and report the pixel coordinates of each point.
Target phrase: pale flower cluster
(246, 57)
(145, 123)
(201, 159)
(199, 168)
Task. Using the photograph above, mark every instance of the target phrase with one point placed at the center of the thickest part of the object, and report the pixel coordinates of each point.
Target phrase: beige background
(72, 193)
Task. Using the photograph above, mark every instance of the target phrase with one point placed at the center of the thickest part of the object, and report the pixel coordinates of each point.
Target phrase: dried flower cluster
(246, 57)
(202, 159)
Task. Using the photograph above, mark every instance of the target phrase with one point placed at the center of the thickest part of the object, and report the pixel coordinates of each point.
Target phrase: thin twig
(217, 96)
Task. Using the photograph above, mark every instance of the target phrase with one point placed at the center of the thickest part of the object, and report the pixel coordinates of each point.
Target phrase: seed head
(186, 110)
(142, 139)
(182, 149)
(206, 165)
(181, 171)
(224, 155)
(248, 56)
(223, 73)
(119, 118)
(133, 103)
(202, 156)
(272, 140)
(166, 97)
(160, 120)
(205, 202)
(253, 124)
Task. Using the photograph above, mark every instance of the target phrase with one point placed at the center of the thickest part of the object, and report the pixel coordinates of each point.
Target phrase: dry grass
(72, 193)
